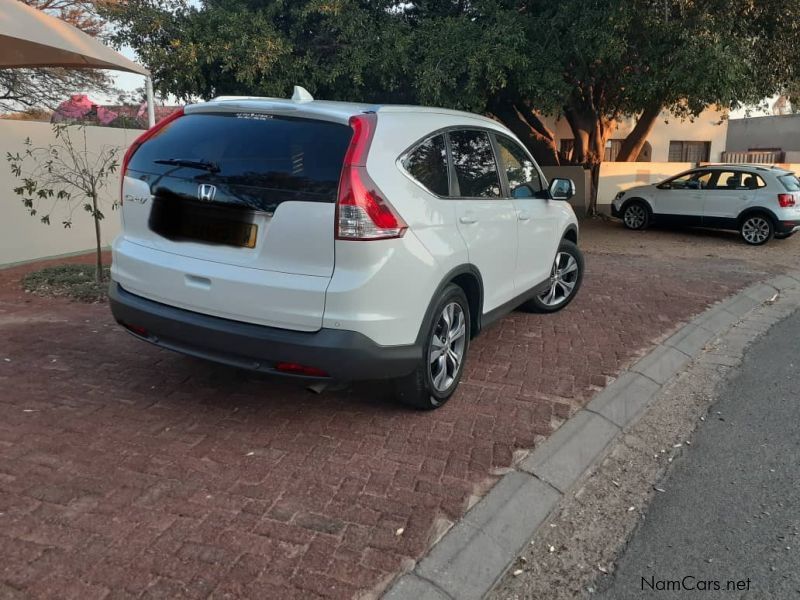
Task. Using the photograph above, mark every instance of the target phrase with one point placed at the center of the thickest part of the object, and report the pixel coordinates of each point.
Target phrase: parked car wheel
(445, 350)
(565, 280)
(636, 215)
(757, 229)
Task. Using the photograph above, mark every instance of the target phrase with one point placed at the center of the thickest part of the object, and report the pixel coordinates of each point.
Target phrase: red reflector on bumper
(297, 369)
(136, 329)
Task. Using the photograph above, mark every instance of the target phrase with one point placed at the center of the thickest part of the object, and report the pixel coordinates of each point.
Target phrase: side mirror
(562, 189)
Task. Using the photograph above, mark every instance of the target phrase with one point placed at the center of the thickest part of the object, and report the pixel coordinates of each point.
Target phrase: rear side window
(738, 180)
(475, 166)
(790, 182)
(427, 163)
(291, 158)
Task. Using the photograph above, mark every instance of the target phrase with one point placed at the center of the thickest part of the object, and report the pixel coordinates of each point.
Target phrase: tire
(433, 382)
(566, 277)
(636, 215)
(757, 229)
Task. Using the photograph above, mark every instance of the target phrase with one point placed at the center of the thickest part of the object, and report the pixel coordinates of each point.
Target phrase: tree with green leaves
(592, 62)
(60, 178)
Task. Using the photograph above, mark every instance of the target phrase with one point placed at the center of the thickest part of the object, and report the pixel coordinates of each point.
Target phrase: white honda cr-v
(336, 241)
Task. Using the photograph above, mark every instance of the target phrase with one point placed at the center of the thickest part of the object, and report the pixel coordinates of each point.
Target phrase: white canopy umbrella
(31, 38)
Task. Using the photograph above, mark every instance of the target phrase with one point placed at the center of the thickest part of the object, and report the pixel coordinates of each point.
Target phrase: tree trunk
(591, 132)
(539, 140)
(633, 144)
(98, 272)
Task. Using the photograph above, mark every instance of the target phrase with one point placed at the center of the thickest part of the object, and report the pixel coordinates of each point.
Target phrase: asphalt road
(728, 522)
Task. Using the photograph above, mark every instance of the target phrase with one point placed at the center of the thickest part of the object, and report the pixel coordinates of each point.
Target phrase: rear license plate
(187, 221)
(219, 231)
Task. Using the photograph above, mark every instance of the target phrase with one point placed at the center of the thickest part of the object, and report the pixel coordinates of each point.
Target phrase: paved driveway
(129, 471)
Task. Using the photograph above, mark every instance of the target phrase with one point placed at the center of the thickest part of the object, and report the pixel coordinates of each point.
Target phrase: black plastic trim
(507, 307)
(344, 355)
(572, 228)
(464, 269)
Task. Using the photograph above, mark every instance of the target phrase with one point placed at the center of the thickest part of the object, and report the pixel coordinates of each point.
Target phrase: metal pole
(151, 109)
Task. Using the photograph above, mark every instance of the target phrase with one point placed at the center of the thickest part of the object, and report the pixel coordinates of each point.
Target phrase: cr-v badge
(206, 192)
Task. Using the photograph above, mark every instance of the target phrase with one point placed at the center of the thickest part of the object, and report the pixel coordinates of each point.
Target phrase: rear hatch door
(255, 192)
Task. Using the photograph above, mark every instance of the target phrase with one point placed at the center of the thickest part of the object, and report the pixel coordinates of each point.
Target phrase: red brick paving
(127, 471)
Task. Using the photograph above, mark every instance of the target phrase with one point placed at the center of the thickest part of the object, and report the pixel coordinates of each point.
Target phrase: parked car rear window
(427, 163)
(296, 158)
(474, 163)
(790, 182)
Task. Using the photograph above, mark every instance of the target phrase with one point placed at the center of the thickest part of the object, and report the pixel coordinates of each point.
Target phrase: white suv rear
(336, 241)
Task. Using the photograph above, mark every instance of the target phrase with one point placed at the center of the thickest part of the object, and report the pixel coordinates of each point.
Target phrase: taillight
(361, 211)
(786, 200)
(142, 139)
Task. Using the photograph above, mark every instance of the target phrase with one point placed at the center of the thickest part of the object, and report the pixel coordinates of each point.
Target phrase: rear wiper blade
(188, 162)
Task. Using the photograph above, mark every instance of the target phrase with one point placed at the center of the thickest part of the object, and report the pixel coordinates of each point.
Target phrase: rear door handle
(468, 219)
(524, 215)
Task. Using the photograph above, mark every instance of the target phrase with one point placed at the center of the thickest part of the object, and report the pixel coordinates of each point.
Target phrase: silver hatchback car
(759, 201)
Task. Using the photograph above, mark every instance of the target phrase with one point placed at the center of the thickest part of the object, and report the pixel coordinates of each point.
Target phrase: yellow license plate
(221, 231)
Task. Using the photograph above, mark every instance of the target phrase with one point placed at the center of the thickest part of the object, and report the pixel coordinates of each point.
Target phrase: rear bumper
(787, 226)
(344, 355)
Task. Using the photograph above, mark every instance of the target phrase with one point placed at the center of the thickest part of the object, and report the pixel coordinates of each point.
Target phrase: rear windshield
(790, 182)
(292, 158)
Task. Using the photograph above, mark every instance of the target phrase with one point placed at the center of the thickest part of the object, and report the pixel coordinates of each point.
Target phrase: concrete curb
(471, 557)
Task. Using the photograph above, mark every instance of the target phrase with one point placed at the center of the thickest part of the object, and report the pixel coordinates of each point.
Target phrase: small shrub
(66, 174)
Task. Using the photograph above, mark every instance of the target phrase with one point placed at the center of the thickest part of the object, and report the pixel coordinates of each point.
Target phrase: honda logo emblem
(206, 192)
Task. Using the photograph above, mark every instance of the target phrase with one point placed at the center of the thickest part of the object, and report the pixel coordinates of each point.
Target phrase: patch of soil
(74, 281)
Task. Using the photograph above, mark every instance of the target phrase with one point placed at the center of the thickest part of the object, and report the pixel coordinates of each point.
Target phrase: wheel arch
(468, 278)
(571, 233)
(757, 210)
(638, 199)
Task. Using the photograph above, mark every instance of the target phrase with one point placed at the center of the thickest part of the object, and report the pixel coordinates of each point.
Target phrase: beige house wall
(23, 237)
(710, 126)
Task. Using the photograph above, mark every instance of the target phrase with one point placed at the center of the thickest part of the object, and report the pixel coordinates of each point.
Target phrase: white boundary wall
(618, 176)
(23, 237)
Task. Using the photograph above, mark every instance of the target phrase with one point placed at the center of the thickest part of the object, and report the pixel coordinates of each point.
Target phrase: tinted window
(695, 180)
(284, 158)
(790, 182)
(737, 180)
(523, 177)
(427, 163)
(474, 163)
